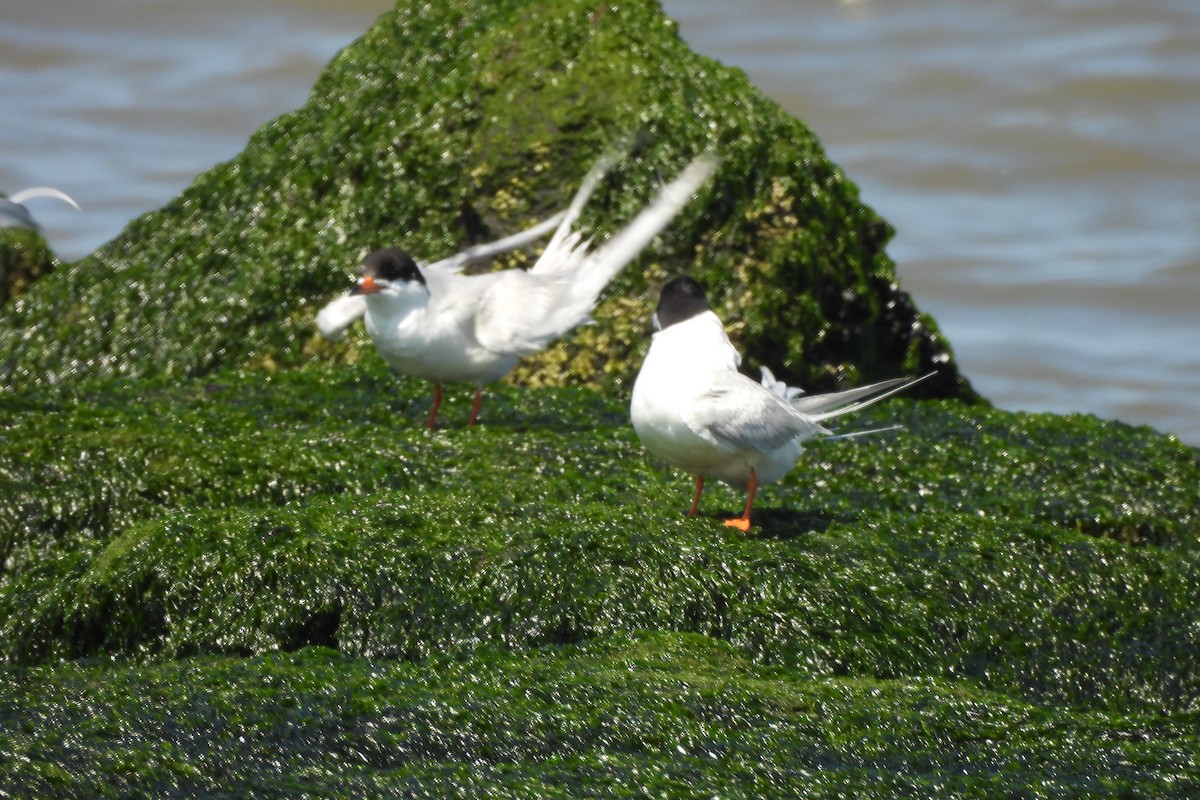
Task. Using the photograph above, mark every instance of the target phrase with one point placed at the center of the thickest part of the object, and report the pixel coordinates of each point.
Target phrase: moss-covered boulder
(273, 584)
(234, 563)
(24, 259)
(454, 122)
(626, 715)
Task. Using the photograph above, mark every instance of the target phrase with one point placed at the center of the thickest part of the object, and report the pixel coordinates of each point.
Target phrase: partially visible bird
(692, 408)
(436, 323)
(14, 214)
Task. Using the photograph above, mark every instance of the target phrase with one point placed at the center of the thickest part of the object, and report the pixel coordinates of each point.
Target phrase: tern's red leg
(696, 499)
(437, 403)
(742, 523)
(475, 405)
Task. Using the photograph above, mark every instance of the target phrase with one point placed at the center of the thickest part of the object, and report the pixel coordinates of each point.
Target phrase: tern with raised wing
(436, 323)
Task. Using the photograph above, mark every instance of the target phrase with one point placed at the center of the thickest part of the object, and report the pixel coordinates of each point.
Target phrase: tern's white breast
(415, 340)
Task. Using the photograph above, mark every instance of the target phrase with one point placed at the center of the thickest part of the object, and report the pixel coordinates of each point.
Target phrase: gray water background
(1039, 160)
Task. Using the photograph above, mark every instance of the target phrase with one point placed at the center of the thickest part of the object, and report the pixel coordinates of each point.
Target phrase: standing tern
(693, 409)
(338, 315)
(434, 322)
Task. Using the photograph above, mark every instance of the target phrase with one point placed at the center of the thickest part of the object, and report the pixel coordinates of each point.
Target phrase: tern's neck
(384, 305)
(700, 342)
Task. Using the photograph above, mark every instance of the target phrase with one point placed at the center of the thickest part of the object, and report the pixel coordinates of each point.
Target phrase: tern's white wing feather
(512, 312)
(43, 191)
(569, 217)
(738, 414)
(522, 314)
(340, 314)
(482, 252)
(15, 215)
(620, 249)
(779, 388)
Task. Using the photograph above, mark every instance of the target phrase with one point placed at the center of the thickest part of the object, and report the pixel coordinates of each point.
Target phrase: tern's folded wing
(738, 414)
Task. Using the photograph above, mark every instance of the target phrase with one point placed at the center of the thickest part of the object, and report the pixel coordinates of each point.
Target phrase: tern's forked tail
(820, 407)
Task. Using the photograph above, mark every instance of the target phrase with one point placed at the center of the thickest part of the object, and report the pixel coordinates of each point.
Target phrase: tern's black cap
(680, 300)
(392, 264)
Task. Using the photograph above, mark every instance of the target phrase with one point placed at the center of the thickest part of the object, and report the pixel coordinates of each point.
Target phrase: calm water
(1040, 160)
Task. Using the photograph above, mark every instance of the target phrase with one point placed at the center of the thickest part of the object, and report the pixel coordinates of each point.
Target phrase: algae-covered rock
(454, 122)
(523, 610)
(24, 258)
(234, 563)
(256, 514)
(627, 715)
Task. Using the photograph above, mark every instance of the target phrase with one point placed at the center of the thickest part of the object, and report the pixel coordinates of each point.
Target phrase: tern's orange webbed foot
(741, 523)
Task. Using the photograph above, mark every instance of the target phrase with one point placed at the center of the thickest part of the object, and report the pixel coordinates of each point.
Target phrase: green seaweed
(24, 259)
(233, 562)
(625, 715)
(452, 123)
(259, 513)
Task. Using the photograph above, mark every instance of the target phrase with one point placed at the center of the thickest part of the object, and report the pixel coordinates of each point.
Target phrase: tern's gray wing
(517, 313)
(14, 214)
(482, 252)
(738, 414)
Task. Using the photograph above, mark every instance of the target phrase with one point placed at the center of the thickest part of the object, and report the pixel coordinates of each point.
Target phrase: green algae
(958, 549)
(626, 715)
(452, 123)
(234, 563)
(24, 259)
